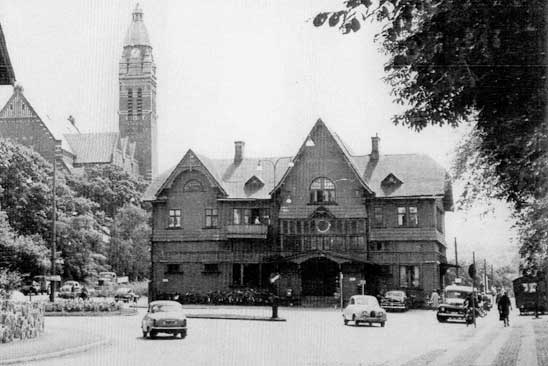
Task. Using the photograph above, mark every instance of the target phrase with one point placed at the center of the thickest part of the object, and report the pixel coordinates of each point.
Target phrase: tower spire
(137, 34)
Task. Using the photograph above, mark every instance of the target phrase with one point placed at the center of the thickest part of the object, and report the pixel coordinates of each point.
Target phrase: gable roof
(93, 147)
(342, 147)
(420, 175)
(7, 75)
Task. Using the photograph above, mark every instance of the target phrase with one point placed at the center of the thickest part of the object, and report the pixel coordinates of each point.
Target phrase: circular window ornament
(323, 226)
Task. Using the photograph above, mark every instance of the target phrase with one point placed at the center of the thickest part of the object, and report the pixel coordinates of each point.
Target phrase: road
(315, 337)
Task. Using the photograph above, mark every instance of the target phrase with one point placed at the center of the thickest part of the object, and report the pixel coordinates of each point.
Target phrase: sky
(251, 70)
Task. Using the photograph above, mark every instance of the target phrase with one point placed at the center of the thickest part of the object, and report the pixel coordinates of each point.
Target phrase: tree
(481, 60)
(25, 179)
(128, 252)
(109, 186)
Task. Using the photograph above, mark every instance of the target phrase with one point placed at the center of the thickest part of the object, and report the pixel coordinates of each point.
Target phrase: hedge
(20, 320)
(79, 305)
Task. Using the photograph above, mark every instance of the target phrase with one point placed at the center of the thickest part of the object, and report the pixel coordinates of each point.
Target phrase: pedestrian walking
(435, 299)
(504, 307)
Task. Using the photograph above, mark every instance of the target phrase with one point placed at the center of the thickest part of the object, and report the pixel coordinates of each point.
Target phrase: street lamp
(274, 164)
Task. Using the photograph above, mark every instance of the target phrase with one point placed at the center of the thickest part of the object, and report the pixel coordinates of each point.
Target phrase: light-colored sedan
(164, 317)
(364, 309)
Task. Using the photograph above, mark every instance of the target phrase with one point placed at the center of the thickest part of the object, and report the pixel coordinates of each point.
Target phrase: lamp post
(274, 164)
(53, 228)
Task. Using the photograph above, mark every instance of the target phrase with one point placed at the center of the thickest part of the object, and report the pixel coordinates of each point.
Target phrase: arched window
(139, 102)
(193, 185)
(130, 103)
(322, 190)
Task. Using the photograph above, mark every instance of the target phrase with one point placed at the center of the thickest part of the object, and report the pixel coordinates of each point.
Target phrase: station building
(312, 217)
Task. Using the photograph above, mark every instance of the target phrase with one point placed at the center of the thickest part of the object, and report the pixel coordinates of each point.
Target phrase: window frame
(208, 269)
(191, 184)
(211, 218)
(173, 215)
(171, 271)
(405, 216)
(378, 212)
(322, 195)
(410, 276)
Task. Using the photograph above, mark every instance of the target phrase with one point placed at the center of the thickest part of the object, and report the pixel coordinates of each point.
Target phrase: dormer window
(322, 190)
(391, 180)
(254, 182)
(193, 186)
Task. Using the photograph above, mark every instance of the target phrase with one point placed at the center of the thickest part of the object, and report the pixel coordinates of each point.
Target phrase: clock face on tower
(135, 52)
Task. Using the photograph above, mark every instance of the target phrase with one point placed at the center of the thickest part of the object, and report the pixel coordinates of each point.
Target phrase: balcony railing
(256, 231)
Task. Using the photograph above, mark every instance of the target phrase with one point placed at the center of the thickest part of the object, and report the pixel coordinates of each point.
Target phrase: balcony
(256, 231)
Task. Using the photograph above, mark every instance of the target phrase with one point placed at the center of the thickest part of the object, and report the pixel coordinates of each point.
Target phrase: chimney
(238, 151)
(375, 147)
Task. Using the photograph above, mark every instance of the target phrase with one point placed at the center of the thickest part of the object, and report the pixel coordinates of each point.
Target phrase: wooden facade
(220, 224)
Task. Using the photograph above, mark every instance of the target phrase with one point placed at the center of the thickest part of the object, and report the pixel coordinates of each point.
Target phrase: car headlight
(442, 309)
(153, 322)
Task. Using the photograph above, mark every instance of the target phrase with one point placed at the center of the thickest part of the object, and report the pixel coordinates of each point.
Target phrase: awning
(333, 256)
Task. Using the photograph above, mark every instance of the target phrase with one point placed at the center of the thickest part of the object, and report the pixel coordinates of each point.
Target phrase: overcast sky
(251, 70)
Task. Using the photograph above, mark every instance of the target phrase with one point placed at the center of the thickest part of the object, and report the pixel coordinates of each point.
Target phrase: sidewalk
(56, 341)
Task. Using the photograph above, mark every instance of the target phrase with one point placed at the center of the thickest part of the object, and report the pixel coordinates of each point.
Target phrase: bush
(79, 305)
(140, 288)
(20, 320)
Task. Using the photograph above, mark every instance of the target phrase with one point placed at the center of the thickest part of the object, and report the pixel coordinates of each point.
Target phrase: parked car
(70, 290)
(452, 306)
(30, 287)
(44, 283)
(164, 316)
(107, 278)
(364, 309)
(396, 300)
(126, 295)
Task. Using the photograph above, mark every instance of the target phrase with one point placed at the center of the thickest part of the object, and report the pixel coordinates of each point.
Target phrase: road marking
(528, 351)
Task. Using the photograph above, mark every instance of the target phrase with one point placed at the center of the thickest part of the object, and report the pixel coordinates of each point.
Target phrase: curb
(65, 352)
(234, 317)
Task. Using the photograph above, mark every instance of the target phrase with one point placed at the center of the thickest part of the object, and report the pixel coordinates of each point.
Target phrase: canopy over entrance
(326, 254)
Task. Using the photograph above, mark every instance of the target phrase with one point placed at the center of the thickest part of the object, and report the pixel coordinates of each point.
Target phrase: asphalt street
(312, 337)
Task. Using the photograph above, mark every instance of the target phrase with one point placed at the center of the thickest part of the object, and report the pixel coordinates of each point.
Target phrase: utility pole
(456, 259)
(473, 292)
(53, 229)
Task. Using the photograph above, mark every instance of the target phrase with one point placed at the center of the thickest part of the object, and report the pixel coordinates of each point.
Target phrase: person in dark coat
(504, 307)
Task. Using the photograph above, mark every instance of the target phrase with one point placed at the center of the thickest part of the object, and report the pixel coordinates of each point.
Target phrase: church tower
(137, 108)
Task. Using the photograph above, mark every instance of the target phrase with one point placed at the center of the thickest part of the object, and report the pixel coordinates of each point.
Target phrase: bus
(528, 292)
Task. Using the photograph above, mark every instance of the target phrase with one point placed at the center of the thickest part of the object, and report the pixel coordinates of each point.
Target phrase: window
(439, 220)
(408, 216)
(413, 217)
(174, 218)
(322, 190)
(139, 102)
(377, 216)
(173, 268)
(130, 103)
(193, 185)
(409, 276)
(211, 217)
(402, 218)
(251, 216)
(211, 268)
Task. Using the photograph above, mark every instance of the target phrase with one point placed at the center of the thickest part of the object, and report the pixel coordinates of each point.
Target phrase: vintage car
(30, 288)
(70, 289)
(126, 295)
(452, 306)
(396, 300)
(164, 317)
(364, 309)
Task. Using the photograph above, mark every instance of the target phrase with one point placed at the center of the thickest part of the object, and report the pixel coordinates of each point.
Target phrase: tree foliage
(86, 206)
(128, 252)
(452, 61)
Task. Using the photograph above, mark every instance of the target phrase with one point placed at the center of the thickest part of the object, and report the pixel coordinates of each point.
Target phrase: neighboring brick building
(133, 148)
(224, 223)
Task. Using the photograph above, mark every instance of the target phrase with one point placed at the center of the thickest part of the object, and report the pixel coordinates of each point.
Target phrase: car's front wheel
(153, 334)
(382, 324)
(441, 319)
(183, 334)
(345, 320)
(145, 333)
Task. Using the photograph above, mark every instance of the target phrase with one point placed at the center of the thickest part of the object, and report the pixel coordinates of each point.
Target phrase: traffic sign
(472, 271)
